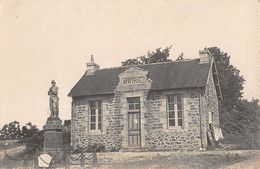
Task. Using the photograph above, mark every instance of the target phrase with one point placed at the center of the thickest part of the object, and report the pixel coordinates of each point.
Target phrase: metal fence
(70, 160)
(32, 162)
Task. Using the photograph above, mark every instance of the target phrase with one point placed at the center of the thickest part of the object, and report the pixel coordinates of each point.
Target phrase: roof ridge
(158, 63)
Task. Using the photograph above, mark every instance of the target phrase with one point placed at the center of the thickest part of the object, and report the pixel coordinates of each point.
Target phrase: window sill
(95, 132)
(176, 128)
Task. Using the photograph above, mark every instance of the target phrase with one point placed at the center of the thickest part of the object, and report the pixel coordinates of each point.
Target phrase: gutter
(200, 112)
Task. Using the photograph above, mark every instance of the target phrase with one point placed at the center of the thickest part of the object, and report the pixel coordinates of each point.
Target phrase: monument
(53, 127)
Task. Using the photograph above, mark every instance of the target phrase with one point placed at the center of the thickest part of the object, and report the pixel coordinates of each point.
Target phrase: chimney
(92, 66)
(205, 56)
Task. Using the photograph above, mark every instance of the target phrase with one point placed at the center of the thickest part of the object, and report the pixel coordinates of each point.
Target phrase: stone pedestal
(53, 137)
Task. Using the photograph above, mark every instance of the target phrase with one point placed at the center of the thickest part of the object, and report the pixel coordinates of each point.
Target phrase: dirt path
(11, 151)
(252, 163)
(183, 160)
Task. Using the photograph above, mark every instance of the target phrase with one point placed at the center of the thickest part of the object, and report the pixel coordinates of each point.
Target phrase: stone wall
(79, 120)
(159, 135)
(209, 103)
(110, 133)
(211, 99)
(155, 133)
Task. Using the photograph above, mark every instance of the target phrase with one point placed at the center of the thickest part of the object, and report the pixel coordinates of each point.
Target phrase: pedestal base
(53, 137)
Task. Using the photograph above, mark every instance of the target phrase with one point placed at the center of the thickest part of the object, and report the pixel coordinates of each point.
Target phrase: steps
(134, 149)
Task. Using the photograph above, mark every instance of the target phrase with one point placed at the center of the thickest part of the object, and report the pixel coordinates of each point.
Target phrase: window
(95, 115)
(210, 117)
(211, 121)
(133, 104)
(175, 110)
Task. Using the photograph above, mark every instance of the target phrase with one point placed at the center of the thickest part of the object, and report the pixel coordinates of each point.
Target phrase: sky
(44, 40)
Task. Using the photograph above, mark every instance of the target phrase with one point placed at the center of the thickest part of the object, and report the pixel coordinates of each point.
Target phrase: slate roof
(171, 75)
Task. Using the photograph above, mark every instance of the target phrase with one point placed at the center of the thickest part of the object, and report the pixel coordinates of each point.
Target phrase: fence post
(36, 162)
(67, 162)
(94, 157)
(25, 163)
(6, 161)
(9, 164)
(82, 160)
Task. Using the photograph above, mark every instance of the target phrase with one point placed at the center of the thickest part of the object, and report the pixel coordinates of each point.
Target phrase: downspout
(200, 112)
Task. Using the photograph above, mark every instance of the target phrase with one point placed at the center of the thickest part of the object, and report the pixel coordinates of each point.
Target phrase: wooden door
(134, 127)
(134, 132)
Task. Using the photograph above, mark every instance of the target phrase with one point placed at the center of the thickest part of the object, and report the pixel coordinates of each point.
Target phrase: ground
(227, 159)
(183, 160)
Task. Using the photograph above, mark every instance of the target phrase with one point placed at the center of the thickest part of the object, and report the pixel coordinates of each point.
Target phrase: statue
(54, 100)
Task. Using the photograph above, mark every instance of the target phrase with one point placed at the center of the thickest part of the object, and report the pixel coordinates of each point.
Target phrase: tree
(152, 57)
(29, 129)
(231, 81)
(248, 115)
(67, 124)
(35, 144)
(238, 116)
(180, 57)
(11, 131)
(66, 134)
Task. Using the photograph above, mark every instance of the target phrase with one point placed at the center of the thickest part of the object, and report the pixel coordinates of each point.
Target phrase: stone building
(162, 106)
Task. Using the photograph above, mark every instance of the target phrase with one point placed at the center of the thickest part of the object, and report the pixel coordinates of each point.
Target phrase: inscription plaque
(50, 140)
(133, 80)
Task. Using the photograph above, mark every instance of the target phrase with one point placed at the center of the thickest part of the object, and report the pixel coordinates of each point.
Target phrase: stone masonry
(159, 136)
(155, 133)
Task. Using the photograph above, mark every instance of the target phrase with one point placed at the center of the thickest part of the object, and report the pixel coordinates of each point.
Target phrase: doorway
(134, 129)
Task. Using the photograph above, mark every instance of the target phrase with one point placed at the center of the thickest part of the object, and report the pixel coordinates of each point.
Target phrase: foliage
(231, 81)
(248, 115)
(11, 131)
(95, 147)
(180, 57)
(238, 117)
(67, 125)
(66, 135)
(152, 57)
(66, 139)
(231, 84)
(35, 144)
(29, 130)
(99, 147)
(242, 123)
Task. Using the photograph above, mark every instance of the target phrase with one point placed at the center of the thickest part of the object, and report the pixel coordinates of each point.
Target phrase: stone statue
(54, 100)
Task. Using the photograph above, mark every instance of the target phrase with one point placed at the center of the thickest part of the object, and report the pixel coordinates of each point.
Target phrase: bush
(35, 143)
(89, 148)
(115, 149)
(66, 139)
(245, 141)
(98, 147)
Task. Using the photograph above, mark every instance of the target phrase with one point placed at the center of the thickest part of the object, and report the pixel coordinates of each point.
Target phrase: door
(134, 129)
